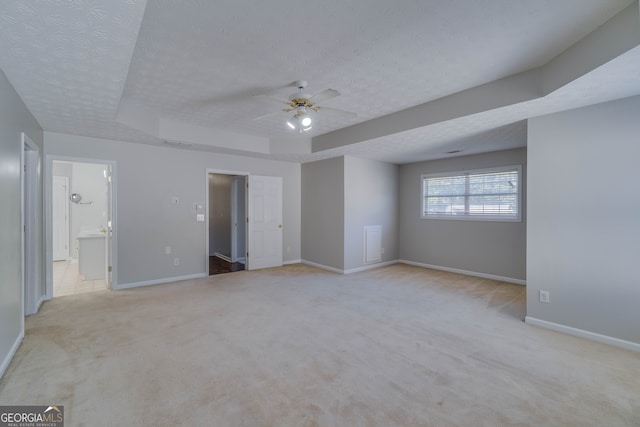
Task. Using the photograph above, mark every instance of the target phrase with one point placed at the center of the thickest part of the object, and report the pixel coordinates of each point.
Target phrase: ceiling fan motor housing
(300, 99)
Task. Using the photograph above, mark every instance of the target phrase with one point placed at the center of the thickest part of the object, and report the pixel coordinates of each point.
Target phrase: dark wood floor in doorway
(220, 266)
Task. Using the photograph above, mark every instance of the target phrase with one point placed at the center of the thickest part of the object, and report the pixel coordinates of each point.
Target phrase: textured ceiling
(68, 60)
(201, 62)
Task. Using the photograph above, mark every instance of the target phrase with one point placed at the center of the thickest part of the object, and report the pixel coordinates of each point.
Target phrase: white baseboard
(42, 299)
(417, 264)
(224, 257)
(466, 272)
(321, 266)
(158, 281)
(627, 345)
(12, 352)
(369, 266)
(292, 261)
(349, 271)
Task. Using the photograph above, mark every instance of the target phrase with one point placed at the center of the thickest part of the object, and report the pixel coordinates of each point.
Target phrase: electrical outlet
(544, 296)
(176, 261)
(167, 250)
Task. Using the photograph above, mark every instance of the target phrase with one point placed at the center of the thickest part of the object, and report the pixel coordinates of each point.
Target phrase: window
(487, 194)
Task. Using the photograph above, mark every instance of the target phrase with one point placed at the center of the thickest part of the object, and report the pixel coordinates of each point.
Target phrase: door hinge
(247, 219)
(110, 269)
(247, 254)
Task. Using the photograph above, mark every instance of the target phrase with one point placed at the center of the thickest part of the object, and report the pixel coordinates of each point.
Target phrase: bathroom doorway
(81, 227)
(227, 223)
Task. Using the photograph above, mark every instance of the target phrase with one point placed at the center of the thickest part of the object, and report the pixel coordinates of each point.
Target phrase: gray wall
(584, 218)
(341, 196)
(487, 247)
(14, 119)
(370, 198)
(220, 214)
(323, 212)
(147, 178)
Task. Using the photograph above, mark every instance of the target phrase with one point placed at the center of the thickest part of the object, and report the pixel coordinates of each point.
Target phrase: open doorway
(32, 293)
(227, 223)
(80, 227)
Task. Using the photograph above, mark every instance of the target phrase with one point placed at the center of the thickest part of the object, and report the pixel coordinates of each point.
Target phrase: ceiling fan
(305, 107)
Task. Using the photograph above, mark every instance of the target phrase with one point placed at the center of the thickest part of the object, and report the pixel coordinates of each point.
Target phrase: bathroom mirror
(75, 197)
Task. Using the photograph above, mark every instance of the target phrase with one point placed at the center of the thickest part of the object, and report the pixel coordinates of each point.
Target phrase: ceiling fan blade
(267, 115)
(324, 96)
(344, 113)
(276, 89)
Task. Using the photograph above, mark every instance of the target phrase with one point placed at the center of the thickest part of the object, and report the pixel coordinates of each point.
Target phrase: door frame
(207, 208)
(66, 222)
(48, 236)
(235, 183)
(29, 173)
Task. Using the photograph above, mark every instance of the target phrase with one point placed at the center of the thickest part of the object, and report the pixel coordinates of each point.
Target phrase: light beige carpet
(296, 346)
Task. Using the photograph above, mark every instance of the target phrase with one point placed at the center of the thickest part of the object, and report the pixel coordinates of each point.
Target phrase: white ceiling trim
(186, 135)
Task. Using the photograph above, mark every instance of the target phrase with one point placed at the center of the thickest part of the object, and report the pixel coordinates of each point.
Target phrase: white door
(60, 218)
(264, 198)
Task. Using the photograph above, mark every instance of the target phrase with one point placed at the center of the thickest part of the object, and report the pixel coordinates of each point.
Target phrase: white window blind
(487, 194)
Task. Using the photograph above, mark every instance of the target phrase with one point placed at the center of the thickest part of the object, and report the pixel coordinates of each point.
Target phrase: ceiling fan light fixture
(301, 121)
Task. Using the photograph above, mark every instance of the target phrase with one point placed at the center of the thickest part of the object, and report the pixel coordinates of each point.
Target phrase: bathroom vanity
(91, 256)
